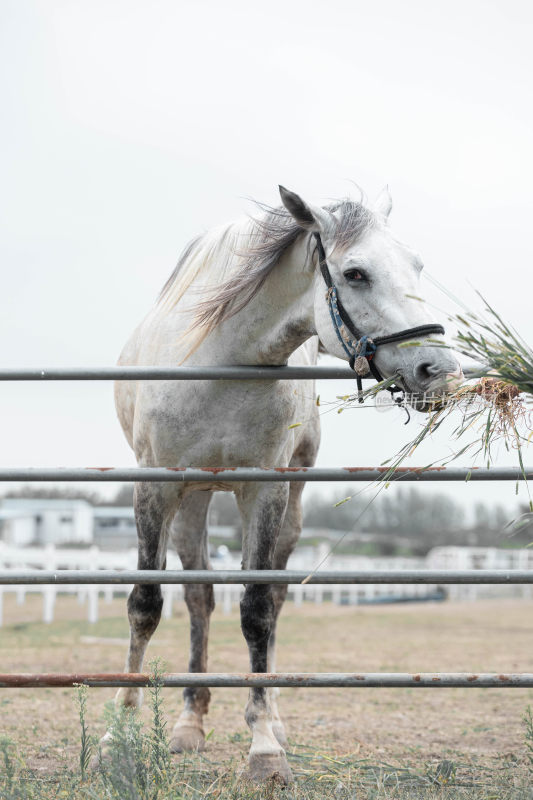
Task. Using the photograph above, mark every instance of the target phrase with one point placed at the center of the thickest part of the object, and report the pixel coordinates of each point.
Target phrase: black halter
(360, 348)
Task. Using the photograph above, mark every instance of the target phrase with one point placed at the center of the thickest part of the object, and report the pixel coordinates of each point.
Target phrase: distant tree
(501, 518)
(323, 512)
(483, 519)
(123, 497)
(410, 513)
(54, 493)
(517, 529)
(389, 548)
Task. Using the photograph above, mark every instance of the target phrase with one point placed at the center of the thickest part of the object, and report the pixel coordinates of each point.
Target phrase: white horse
(251, 293)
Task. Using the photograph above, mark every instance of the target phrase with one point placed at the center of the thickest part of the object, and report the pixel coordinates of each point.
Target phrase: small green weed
(86, 742)
(159, 750)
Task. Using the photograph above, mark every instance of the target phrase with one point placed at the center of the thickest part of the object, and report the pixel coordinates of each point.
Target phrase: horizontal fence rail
(235, 373)
(27, 577)
(311, 680)
(128, 577)
(249, 474)
(177, 373)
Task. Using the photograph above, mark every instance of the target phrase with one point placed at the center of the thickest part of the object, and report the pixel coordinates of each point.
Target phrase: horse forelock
(233, 262)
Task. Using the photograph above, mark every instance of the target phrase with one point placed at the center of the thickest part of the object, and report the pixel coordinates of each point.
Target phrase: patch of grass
(317, 776)
(527, 719)
(137, 765)
(403, 723)
(35, 634)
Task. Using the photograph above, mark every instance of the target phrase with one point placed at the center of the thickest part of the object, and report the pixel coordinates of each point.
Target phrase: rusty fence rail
(267, 474)
(310, 680)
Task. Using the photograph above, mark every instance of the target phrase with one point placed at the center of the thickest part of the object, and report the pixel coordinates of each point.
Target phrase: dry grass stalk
(491, 409)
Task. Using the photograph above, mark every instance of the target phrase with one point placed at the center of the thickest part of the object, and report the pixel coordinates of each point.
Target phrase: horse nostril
(426, 371)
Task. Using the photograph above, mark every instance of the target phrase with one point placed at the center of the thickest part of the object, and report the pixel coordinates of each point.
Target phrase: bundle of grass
(490, 410)
(493, 406)
(503, 353)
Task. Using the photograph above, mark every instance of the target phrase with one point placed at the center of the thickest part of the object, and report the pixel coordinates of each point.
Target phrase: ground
(379, 724)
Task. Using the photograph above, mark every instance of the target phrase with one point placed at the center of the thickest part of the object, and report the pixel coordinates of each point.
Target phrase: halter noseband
(359, 348)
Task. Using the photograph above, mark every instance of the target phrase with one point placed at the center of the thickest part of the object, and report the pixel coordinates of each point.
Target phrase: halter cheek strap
(360, 348)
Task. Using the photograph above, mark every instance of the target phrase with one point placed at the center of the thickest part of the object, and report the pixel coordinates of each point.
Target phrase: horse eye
(355, 276)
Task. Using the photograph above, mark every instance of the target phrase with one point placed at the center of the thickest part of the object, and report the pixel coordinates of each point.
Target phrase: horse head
(368, 289)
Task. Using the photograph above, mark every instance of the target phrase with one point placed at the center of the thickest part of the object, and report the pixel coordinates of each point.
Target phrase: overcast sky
(129, 127)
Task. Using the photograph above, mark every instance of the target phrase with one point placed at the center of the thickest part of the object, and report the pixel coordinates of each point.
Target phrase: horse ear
(383, 203)
(312, 218)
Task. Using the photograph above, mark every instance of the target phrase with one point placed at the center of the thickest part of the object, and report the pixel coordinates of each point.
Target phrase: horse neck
(277, 320)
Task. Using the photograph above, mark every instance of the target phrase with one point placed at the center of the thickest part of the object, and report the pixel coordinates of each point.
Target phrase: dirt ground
(387, 724)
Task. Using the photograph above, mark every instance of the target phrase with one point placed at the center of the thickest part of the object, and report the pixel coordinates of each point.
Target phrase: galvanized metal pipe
(248, 474)
(228, 373)
(235, 373)
(311, 680)
(407, 576)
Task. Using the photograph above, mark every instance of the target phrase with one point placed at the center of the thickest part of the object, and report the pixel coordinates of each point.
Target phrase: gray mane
(184, 257)
(272, 235)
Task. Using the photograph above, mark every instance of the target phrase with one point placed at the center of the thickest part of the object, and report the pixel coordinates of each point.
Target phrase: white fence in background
(481, 558)
(227, 596)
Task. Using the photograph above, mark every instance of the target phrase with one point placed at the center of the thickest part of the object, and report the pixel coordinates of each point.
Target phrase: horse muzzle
(427, 394)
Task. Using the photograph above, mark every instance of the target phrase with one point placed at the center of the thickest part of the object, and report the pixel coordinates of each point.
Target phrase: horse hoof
(186, 739)
(279, 732)
(269, 767)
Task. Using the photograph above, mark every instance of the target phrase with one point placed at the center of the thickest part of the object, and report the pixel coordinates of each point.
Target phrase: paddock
(380, 724)
(393, 722)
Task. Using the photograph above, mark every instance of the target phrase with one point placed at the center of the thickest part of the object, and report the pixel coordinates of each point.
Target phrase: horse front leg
(263, 509)
(145, 601)
(189, 534)
(151, 502)
(287, 540)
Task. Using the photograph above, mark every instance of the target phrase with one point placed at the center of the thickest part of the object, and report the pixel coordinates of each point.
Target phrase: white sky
(128, 127)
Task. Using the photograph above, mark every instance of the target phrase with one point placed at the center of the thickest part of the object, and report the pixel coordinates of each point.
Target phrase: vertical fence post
(21, 592)
(2, 566)
(108, 594)
(92, 606)
(227, 592)
(49, 591)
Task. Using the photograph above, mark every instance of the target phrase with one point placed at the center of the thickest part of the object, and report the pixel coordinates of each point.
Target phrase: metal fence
(234, 474)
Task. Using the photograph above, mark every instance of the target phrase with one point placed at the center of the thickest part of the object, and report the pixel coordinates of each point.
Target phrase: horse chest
(213, 422)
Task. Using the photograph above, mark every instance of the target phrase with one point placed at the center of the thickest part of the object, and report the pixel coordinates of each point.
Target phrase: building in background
(114, 527)
(45, 521)
(66, 522)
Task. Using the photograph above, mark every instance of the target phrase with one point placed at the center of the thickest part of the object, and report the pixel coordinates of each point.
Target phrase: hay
(493, 408)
